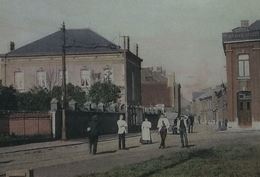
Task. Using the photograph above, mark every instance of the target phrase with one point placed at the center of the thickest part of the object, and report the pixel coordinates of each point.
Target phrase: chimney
(244, 23)
(124, 42)
(128, 43)
(136, 49)
(12, 46)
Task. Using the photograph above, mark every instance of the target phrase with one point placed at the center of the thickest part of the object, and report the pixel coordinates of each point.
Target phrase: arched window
(85, 78)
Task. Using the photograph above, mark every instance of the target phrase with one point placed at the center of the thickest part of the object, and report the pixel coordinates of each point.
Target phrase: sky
(182, 36)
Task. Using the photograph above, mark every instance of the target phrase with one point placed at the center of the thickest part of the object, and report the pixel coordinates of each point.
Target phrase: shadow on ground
(106, 152)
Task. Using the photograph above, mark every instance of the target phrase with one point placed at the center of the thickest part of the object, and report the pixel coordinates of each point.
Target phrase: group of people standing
(93, 132)
(163, 125)
(183, 124)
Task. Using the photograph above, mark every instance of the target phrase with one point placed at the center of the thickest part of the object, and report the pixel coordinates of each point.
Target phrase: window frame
(244, 65)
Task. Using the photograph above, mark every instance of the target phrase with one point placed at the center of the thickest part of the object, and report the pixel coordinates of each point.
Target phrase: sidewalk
(58, 143)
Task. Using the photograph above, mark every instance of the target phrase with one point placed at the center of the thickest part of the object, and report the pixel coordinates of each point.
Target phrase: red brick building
(242, 50)
(156, 87)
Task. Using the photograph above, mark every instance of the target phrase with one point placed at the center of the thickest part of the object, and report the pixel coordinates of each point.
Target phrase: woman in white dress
(146, 134)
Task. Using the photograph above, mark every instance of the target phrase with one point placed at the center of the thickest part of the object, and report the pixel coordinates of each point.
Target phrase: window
(19, 80)
(241, 106)
(243, 65)
(133, 86)
(41, 79)
(108, 74)
(60, 76)
(85, 77)
(248, 105)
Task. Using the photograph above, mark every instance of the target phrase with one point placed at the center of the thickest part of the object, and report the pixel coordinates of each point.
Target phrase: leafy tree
(8, 99)
(105, 93)
(37, 99)
(73, 92)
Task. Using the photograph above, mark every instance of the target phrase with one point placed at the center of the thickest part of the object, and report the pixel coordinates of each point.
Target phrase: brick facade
(243, 44)
(156, 93)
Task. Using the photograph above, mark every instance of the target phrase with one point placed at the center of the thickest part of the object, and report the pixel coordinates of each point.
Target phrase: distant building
(90, 58)
(211, 105)
(242, 50)
(158, 88)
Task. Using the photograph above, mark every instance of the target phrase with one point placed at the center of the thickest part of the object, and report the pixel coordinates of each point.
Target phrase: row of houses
(241, 100)
(210, 106)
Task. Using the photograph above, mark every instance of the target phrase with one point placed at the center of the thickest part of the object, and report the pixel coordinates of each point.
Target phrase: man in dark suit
(93, 133)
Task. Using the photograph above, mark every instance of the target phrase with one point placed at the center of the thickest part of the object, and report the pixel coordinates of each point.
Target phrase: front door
(244, 109)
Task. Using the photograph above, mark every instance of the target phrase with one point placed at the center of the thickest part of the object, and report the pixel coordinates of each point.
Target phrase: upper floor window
(41, 79)
(133, 86)
(61, 76)
(243, 66)
(108, 74)
(85, 77)
(19, 80)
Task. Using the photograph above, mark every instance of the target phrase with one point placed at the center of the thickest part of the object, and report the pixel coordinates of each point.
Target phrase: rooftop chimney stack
(128, 43)
(244, 23)
(124, 42)
(136, 49)
(12, 46)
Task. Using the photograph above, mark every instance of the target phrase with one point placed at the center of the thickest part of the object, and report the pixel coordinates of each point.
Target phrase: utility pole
(126, 39)
(179, 99)
(63, 97)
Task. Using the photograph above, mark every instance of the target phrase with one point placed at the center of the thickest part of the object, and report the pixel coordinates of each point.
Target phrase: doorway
(244, 108)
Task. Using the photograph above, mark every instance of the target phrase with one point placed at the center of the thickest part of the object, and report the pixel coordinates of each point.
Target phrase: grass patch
(222, 161)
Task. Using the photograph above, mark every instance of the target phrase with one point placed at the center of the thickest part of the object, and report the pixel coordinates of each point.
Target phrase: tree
(105, 93)
(36, 99)
(73, 92)
(8, 99)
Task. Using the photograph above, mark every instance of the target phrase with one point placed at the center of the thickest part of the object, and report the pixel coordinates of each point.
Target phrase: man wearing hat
(93, 133)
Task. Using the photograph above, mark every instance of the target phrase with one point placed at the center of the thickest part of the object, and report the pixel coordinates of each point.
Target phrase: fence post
(24, 125)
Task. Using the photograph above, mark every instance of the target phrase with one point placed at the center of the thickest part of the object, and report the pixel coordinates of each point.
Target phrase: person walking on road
(191, 123)
(163, 125)
(93, 133)
(146, 134)
(122, 130)
(183, 133)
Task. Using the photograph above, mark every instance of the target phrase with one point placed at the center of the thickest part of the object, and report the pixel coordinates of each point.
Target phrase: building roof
(149, 75)
(78, 41)
(195, 95)
(255, 25)
(243, 33)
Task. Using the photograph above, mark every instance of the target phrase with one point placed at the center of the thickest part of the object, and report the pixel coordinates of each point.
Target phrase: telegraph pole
(179, 100)
(126, 40)
(63, 87)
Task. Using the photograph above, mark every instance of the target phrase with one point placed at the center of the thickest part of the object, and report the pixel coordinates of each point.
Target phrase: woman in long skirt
(146, 134)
